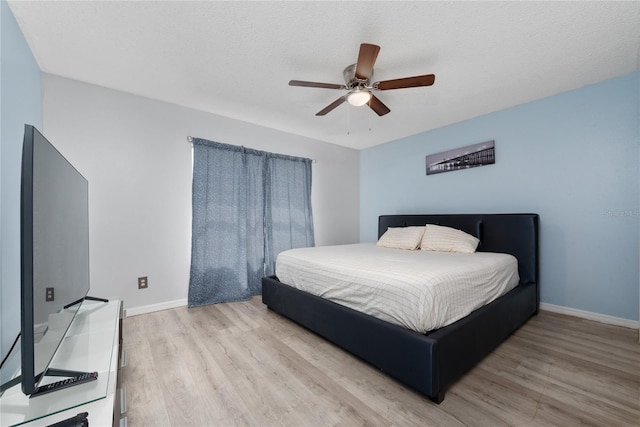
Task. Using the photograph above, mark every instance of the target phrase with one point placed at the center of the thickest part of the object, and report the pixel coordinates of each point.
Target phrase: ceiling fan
(357, 79)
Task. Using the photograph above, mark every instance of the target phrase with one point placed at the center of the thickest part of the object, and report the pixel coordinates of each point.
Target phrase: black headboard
(515, 234)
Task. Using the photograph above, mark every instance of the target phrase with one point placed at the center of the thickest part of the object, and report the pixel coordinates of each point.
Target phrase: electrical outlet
(143, 283)
(49, 295)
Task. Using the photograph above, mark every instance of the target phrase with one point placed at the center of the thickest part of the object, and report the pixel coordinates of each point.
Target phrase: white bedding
(420, 290)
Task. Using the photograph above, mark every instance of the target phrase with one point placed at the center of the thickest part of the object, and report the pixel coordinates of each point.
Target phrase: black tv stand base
(85, 298)
(96, 299)
(81, 378)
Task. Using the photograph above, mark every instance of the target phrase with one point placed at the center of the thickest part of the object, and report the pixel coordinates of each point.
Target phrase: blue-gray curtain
(248, 206)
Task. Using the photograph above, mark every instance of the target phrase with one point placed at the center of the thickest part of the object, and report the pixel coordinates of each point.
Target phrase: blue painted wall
(20, 103)
(572, 158)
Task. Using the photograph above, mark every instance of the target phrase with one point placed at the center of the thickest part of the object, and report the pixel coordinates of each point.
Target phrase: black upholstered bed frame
(428, 363)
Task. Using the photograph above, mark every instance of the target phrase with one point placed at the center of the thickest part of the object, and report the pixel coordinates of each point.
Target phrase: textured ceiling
(235, 58)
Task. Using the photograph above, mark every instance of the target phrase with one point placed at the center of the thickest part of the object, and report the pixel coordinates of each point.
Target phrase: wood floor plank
(241, 364)
(375, 388)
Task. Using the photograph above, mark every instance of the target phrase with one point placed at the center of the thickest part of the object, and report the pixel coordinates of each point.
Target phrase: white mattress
(420, 290)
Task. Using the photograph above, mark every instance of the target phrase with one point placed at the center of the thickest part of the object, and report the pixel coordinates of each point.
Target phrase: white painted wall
(134, 152)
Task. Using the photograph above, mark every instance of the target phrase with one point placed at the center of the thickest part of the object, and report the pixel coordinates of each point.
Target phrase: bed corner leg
(438, 398)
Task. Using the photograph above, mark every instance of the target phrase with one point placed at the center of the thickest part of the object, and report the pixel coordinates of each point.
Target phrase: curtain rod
(190, 141)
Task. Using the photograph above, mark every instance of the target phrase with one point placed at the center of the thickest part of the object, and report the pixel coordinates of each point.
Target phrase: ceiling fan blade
(366, 59)
(331, 106)
(377, 106)
(315, 84)
(426, 80)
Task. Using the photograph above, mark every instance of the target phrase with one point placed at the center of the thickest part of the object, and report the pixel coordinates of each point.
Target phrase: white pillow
(447, 239)
(401, 237)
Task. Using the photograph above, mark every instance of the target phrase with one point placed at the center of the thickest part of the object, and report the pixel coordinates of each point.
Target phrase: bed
(428, 362)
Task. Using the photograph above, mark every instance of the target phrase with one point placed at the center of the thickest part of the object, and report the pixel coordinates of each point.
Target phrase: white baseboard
(603, 318)
(135, 311)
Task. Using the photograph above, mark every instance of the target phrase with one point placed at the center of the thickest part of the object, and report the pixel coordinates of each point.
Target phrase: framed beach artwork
(467, 157)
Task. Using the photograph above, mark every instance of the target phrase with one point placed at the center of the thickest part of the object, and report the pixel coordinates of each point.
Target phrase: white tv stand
(92, 343)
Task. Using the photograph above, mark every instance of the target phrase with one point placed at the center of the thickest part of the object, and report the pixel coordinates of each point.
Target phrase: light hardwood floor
(240, 364)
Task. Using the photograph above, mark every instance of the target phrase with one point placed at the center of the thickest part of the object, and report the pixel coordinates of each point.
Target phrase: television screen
(54, 252)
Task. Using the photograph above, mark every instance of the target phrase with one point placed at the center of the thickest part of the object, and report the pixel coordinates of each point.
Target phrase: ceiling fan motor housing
(351, 81)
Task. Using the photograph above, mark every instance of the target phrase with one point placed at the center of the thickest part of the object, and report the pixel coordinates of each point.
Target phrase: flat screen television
(54, 229)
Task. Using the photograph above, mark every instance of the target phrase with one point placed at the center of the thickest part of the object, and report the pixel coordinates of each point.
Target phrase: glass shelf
(87, 346)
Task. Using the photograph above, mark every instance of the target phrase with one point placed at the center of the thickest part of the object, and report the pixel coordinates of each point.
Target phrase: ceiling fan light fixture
(358, 84)
(358, 97)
